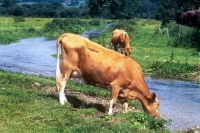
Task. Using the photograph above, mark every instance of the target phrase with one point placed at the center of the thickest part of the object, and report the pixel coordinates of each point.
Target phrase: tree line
(164, 10)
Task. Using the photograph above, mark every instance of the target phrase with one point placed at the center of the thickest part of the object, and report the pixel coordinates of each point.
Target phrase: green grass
(29, 108)
(15, 31)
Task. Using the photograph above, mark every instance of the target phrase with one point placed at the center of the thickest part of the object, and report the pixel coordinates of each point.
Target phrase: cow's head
(152, 106)
(127, 51)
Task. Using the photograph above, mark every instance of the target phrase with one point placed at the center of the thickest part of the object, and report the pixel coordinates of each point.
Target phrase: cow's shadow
(79, 103)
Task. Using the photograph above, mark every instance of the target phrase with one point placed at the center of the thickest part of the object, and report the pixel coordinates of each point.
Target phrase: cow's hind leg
(113, 98)
(62, 97)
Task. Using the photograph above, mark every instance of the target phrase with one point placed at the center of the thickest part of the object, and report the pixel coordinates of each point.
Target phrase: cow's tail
(59, 42)
(58, 71)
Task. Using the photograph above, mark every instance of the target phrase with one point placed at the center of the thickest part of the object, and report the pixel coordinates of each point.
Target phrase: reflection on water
(179, 100)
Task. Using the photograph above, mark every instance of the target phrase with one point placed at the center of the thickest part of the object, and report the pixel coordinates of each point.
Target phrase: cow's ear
(153, 96)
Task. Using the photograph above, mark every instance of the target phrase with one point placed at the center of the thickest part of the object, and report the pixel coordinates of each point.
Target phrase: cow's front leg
(113, 98)
(62, 97)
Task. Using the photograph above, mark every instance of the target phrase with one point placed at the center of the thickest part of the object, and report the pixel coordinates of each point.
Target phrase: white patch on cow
(62, 97)
(124, 33)
(58, 72)
(111, 107)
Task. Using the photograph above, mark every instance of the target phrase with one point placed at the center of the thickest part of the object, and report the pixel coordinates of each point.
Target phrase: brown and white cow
(120, 39)
(99, 66)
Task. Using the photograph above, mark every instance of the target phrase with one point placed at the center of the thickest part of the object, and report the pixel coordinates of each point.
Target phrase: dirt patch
(78, 100)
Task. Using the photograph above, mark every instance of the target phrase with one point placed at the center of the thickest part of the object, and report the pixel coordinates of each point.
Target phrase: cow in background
(102, 67)
(120, 39)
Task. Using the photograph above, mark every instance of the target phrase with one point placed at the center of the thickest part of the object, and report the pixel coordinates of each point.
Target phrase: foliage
(8, 3)
(127, 25)
(19, 19)
(115, 8)
(147, 8)
(172, 69)
(71, 25)
(187, 39)
(164, 10)
(185, 5)
(54, 9)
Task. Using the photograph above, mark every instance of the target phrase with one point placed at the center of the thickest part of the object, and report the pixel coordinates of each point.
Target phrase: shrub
(126, 25)
(172, 69)
(31, 29)
(19, 19)
(95, 22)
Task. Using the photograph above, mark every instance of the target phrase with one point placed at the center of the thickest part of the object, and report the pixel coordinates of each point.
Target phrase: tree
(166, 11)
(18, 11)
(185, 5)
(117, 8)
(8, 3)
(97, 6)
(127, 8)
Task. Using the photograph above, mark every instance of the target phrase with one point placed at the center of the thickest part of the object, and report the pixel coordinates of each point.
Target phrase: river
(179, 100)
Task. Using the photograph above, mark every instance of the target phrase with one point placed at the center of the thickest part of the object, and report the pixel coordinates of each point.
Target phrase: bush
(31, 29)
(172, 69)
(126, 25)
(66, 25)
(187, 38)
(19, 19)
(95, 22)
(183, 36)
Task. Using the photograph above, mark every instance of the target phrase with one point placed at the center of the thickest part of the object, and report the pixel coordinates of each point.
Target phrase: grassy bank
(13, 29)
(30, 104)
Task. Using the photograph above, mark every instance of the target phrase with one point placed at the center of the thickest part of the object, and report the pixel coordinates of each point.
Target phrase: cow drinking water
(99, 66)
